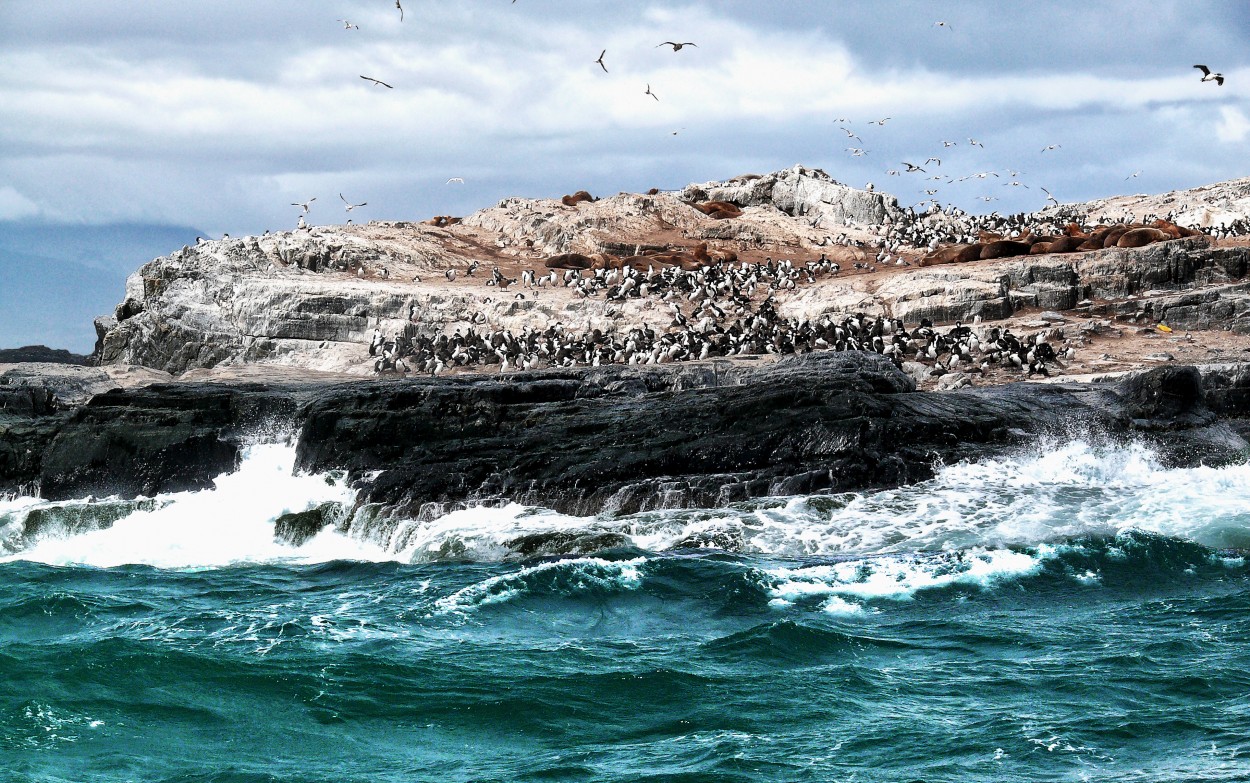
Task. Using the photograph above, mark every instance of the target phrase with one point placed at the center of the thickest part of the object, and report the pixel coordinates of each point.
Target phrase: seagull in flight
(1133, 175)
(349, 206)
(976, 143)
(401, 10)
(881, 121)
(933, 160)
(947, 25)
(1207, 76)
(912, 167)
(1050, 147)
(851, 135)
(377, 81)
(348, 25)
(600, 60)
(648, 92)
(304, 205)
(1050, 198)
(676, 46)
(460, 180)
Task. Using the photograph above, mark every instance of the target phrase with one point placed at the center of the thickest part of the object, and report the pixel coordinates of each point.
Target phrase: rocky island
(765, 335)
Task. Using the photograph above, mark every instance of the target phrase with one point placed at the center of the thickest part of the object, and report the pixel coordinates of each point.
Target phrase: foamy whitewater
(1075, 613)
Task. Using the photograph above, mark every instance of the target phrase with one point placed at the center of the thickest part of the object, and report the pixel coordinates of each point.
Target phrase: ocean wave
(562, 578)
(1058, 492)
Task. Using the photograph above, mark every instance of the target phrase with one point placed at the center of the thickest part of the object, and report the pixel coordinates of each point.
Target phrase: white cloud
(15, 206)
(1234, 125)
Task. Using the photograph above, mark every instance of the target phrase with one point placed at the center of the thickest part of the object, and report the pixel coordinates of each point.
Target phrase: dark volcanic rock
(616, 439)
(161, 438)
(583, 443)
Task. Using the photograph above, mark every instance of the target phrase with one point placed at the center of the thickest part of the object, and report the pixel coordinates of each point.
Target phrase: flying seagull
(947, 25)
(1050, 198)
(881, 121)
(676, 46)
(976, 143)
(648, 92)
(600, 60)
(912, 167)
(1207, 76)
(349, 206)
(348, 25)
(851, 135)
(377, 81)
(455, 179)
(933, 160)
(401, 10)
(1133, 175)
(304, 205)
(1050, 147)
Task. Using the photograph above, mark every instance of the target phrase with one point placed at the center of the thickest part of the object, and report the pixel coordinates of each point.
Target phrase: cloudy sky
(216, 115)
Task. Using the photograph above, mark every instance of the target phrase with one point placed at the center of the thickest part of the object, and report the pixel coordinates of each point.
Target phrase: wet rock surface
(614, 439)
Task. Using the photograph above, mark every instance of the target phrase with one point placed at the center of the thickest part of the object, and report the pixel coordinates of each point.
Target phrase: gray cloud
(220, 114)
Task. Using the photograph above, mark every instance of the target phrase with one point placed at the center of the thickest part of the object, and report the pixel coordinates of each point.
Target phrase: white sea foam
(894, 577)
(1062, 491)
(232, 523)
(562, 577)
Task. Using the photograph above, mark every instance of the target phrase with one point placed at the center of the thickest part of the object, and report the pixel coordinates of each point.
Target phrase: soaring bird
(1207, 76)
(1050, 198)
(600, 60)
(1133, 175)
(349, 206)
(401, 10)
(377, 81)
(304, 205)
(459, 180)
(912, 167)
(850, 134)
(676, 46)
(348, 25)
(1050, 147)
(947, 25)
(648, 92)
(881, 121)
(976, 143)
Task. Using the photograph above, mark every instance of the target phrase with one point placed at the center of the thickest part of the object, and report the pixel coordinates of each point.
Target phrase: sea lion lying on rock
(717, 210)
(441, 221)
(1004, 248)
(576, 198)
(569, 261)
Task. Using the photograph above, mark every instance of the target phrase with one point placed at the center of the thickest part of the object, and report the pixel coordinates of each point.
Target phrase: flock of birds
(754, 330)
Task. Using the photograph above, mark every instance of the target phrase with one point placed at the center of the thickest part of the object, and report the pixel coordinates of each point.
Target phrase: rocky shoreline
(596, 440)
(261, 338)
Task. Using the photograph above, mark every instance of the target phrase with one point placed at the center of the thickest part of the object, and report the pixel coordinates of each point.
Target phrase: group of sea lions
(696, 258)
(1074, 239)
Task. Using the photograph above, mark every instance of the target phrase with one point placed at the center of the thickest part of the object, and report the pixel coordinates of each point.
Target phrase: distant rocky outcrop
(42, 354)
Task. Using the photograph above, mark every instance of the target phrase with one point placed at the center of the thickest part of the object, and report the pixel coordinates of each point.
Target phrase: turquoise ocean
(1072, 612)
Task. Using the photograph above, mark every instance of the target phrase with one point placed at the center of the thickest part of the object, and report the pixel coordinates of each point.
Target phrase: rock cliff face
(611, 439)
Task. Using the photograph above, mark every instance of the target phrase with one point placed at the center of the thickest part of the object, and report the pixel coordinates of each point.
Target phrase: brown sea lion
(700, 253)
(1095, 239)
(1140, 237)
(569, 261)
(653, 192)
(1175, 230)
(1073, 230)
(1066, 244)
(717, 210)
(441, 221)
(1004, 248)
(1039, 248)
(1115, 233)
(576, 198)
(970, 253)
(945, 255)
